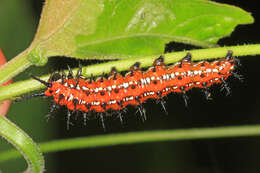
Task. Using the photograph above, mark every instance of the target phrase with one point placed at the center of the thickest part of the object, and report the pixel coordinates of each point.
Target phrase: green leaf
(23, 143)
(123, 28)
(117, 29)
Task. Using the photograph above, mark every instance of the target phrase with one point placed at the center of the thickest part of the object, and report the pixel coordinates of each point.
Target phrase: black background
(232, 155)
(220, 155)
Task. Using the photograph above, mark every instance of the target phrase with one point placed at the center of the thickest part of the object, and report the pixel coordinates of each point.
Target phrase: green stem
(23, 143)
(198, 54)
(14, 67)
(19, 88)
(142, 137)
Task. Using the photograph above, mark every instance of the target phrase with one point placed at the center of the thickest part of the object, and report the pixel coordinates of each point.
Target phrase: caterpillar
(116, 91)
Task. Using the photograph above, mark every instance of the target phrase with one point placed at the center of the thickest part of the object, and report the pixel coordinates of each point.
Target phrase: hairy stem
(197, 54)
(26, 86)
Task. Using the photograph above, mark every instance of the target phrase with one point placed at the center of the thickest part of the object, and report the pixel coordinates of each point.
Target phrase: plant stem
(23, 143)
(19, 88)
(14, 67)
(141, 137)
(197, 54)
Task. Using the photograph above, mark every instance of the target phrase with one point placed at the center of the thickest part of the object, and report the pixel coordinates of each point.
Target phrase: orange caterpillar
(117, 91)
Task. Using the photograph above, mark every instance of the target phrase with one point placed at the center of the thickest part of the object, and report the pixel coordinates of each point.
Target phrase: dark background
(232, 155)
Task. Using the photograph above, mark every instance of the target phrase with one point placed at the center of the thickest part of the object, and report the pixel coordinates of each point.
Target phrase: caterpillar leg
(68, 119)
(101, 116)
(120, 116)
(207, 93)
(162, 102)
(85, 117)
(225, 86)
(142, 112)
(185, 98)
(237, 76)
(53, 108)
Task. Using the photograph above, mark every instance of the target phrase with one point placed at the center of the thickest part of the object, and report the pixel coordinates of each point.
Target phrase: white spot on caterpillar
(109, 88)
(95, 103)
(208, 70)
(148, 80)
(58, 90)
(215, 70)
(84, 88)
(125, 85)
(172, 75)
(71, 97)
